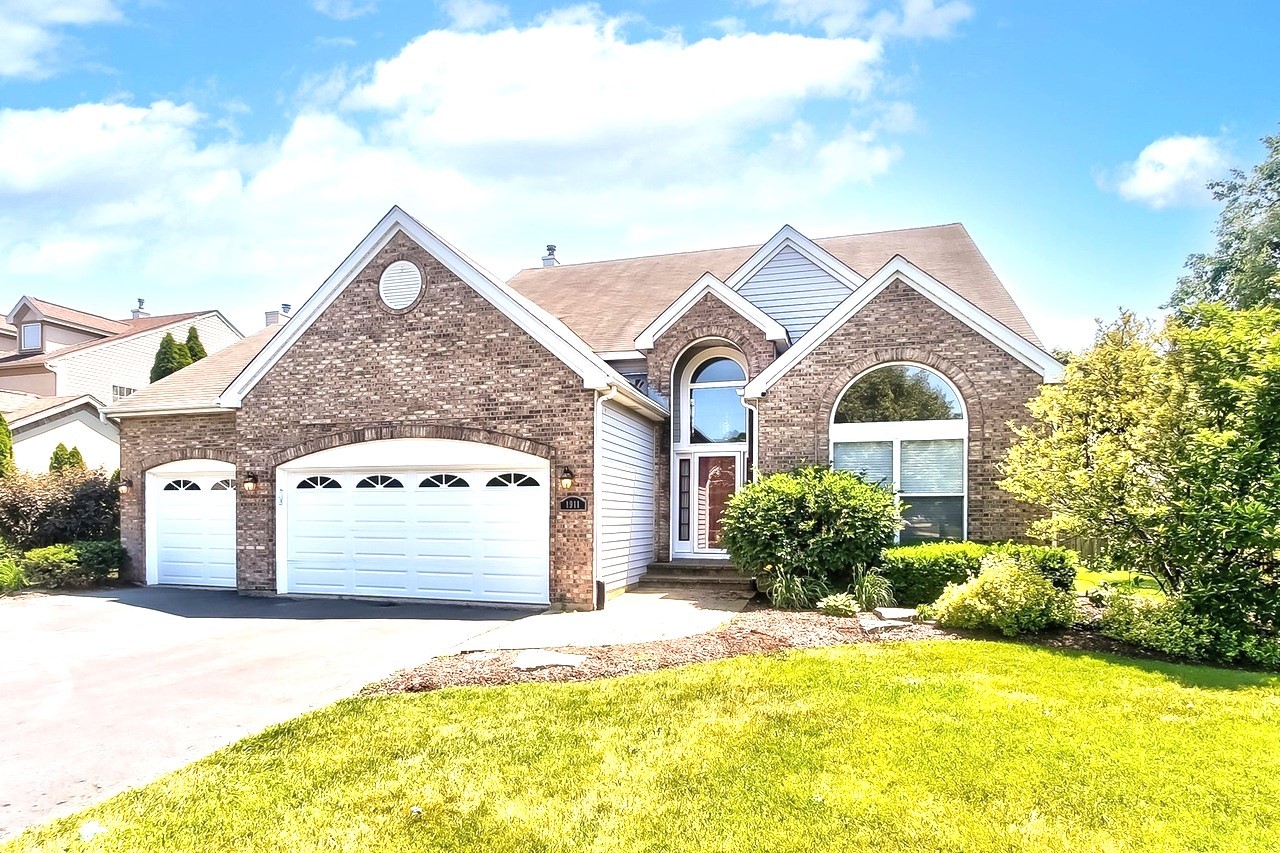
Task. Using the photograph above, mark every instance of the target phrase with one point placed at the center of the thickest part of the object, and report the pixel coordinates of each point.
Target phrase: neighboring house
(422, 429)
(81, 361)
(40, 424)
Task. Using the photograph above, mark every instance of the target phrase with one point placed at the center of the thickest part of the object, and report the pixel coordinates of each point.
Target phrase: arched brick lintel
(384, 432)
(167, 456)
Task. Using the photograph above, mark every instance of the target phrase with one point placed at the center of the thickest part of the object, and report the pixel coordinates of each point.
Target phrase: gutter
(596, 455)
(150, 413)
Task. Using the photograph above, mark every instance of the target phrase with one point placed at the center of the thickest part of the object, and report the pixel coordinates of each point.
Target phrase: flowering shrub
(1009, 596)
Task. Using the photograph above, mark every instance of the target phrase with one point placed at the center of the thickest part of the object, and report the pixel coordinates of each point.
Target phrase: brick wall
(450, 366)
(148, 442)
(708, 318)
(901, 325)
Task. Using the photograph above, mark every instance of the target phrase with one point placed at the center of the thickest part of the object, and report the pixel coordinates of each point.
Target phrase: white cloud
(905, 18)
(474, 14)
(601, 142)
(1171, 171)
(344, 10)
(31, 32)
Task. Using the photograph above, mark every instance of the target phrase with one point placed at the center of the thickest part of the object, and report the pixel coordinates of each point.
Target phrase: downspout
(596, 455)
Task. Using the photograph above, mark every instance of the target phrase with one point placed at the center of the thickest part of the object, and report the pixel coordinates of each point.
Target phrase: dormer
(44, 327)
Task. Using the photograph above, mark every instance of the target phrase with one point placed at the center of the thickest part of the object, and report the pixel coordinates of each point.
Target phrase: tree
(75, 459)
(896, 393)
(66, 460)
(1244, 269)
(1166, 448)
(171, 357)
(194, 347)
(7, 465)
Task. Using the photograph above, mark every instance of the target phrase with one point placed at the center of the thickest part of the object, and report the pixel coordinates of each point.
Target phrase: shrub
(11, 577)
(872, 590)
(793, 592)
(99, 557)
(76, 565)
(1172, 627)
(46, 509)
(839, 604)
(815, 527)
(1008, 595)
(919, 573)
(6, 448)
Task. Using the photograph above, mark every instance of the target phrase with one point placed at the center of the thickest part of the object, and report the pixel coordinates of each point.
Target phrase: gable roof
(131, 328)
(43, 407)
(71, 316)
(899, 269)
(609, 303)
(713, 286)
(541, 326)
(198, 386)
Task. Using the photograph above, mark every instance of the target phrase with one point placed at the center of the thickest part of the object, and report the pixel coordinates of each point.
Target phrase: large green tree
(1243, 270)
(194, 347)
(7, 465)
(897, 393)
(171, 357)
(1165, 446)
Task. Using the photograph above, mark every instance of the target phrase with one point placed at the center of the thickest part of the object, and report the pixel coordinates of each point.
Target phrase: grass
(1136, 584)
(944, 745)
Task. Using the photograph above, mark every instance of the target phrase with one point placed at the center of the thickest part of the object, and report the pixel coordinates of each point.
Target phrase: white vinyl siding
(794, 291)
(127, 363)
(626, 494)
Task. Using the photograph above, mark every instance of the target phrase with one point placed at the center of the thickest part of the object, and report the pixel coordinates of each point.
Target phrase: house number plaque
(573, 503)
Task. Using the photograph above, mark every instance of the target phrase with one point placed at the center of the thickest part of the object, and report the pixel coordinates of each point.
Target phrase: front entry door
(716, 479)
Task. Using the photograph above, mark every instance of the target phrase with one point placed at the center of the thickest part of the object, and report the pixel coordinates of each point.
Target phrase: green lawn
(1143, 585)
(945, 745)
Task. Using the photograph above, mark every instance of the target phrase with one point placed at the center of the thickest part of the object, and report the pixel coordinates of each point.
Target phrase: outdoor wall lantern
(250, 482)
(566, 478)
(125, 486)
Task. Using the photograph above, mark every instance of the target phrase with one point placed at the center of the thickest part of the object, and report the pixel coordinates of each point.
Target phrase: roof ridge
(69, 308)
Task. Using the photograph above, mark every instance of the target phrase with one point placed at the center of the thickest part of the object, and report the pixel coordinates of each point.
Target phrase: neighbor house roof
(49, 406)
(12, 401)
(129, 329)
(610, 302)
(199, 385)
(78, 318)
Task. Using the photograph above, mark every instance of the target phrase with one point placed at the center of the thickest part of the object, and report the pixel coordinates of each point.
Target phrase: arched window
(904, 427)
(379, 481)
(714, 397)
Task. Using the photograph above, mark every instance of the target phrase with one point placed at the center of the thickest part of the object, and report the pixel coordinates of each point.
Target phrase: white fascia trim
(709, 284)
(817, 255)
(204, 409)
(541, 326)
(900, 269)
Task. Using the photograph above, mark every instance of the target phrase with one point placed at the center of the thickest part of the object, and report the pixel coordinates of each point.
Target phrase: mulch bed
(749, 633)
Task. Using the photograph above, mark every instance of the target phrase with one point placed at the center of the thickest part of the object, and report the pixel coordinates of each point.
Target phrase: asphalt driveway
(103, 691)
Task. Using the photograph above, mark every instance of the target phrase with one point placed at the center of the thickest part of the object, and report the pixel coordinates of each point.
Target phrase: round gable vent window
(400, 285)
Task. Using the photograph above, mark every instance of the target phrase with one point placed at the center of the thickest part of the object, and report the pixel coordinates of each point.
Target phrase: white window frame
(22, 337)
(686, 387)
(896, 432)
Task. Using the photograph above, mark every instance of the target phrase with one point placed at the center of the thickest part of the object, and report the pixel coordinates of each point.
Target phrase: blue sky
(229, 155)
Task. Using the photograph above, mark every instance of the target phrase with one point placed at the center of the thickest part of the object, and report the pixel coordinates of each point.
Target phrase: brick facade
(708, 320)
(901, 325)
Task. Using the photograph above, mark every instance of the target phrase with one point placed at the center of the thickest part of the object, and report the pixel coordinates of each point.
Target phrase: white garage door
(453, 533)
(191, 527)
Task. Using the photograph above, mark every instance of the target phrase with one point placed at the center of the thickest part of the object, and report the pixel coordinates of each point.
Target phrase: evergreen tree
(194, 346)
(75, 459)
(170, 358)
(7, 466)
(59, 460)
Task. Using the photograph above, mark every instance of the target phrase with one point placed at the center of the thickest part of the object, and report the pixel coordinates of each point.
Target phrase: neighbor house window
(904, 427)
(119, 392)
(31, 338)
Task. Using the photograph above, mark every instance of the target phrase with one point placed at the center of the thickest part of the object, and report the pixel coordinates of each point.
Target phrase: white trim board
(900, 269)
(541, 326)
(709, 284)
(818, 256)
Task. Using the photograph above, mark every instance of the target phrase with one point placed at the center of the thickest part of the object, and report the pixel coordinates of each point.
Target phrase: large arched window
(904, 427)
(714, 395)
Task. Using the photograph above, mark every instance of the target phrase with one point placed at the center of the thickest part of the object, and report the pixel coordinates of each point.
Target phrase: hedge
(919, 573)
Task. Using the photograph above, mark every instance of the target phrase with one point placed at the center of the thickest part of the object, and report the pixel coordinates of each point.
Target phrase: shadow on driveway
(229, 604)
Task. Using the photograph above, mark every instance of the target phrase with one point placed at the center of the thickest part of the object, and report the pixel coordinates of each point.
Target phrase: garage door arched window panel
(379, 481)
(511, 480)
(904, 427)
(182, 486)
(223, 486)
(443, 481)
(319, 483)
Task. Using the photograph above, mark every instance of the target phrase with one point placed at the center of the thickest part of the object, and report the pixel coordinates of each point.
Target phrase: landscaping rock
(540, 658)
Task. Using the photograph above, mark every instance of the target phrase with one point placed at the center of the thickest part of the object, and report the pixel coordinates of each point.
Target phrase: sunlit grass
(946, 745)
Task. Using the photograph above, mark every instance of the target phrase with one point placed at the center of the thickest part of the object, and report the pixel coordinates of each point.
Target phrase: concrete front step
(735, 581)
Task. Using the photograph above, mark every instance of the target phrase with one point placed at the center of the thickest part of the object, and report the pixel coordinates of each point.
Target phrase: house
(58, 365)
(423, 429)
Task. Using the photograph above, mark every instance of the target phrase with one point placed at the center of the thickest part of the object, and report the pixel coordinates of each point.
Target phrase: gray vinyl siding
(627, 495)
(794, 291)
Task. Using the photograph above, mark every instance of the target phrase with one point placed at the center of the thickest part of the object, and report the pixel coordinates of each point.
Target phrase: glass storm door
(717, 480)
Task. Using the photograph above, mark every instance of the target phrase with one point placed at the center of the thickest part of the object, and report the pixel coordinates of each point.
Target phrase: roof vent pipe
(278, 318)
(138, 313)
(549, 259)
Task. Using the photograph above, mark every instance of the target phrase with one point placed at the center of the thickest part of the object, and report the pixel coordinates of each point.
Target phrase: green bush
(47, 509)
(1172, 627)
(919, 573)
(101, 558)
(801, 533)
(839, 604)
(76, 565)
(11, 576)
(1008, 595)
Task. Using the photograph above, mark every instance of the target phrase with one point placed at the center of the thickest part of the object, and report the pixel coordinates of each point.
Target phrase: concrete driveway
(106, 690)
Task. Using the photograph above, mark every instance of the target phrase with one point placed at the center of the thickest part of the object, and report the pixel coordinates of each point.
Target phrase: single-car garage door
(452, 532)
(191, 524)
